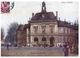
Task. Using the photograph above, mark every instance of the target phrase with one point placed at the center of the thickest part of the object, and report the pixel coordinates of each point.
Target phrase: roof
(66, 24)
(47, 16)
(23, 27)
(43, 16)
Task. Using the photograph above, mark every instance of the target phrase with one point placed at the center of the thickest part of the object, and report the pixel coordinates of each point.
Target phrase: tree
(11, 34)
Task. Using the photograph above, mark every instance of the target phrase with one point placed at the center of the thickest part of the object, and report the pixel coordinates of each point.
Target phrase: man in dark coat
(66, 52)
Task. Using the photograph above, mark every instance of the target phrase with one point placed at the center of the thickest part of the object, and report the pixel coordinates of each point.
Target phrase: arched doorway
(52, 41)
(44, 41)
(36, 40)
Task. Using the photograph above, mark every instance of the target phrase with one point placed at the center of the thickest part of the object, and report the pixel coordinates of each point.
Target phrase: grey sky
(22, 11)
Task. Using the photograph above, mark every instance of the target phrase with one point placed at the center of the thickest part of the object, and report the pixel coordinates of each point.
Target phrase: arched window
(43, 39)
(51, 38)
(52, 41)
(35, 39)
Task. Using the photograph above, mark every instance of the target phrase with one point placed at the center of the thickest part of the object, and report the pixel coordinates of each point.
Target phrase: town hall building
(45, 28)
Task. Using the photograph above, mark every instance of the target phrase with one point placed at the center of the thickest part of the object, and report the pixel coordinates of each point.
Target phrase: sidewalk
(72, 54)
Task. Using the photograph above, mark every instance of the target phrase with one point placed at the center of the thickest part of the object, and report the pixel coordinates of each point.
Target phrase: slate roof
(23, 27)
(50, 17)
(66, 24)
(43, 17)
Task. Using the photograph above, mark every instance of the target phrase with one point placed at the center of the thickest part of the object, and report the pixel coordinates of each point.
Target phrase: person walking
(7, 46)
(66, 52)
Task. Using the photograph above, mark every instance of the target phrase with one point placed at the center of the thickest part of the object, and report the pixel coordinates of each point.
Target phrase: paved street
(32, 51)
(33, 48)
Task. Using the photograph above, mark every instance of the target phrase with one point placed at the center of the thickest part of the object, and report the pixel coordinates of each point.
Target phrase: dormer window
(43, 16)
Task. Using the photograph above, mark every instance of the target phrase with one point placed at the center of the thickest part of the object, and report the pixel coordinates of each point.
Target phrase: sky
(22, 12)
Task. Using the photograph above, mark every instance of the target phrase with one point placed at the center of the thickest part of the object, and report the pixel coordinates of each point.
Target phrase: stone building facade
(21, 35)
(44, 28)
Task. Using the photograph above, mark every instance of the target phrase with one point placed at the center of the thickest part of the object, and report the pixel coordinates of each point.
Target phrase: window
(51, 28)
(35, 29)
(35, 39)
(43, 16)
(43, 39)
(43, 29)
(69, 31)
(61, 29)
(65, 30)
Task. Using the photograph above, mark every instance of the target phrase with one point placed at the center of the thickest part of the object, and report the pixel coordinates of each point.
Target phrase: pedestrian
(7, 46)
(66, 50)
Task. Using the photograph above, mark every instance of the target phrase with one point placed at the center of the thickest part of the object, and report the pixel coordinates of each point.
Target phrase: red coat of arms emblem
(5, 7)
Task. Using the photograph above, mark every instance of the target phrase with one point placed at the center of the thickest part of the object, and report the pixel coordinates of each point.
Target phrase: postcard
(39, 28)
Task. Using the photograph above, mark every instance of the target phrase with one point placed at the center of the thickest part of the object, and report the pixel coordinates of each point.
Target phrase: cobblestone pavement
(32, 51)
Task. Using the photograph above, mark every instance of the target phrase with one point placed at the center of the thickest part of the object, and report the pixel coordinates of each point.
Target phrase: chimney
(32, 14)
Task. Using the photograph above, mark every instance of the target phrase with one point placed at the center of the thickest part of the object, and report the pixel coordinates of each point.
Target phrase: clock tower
(43, 7)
